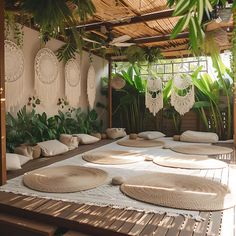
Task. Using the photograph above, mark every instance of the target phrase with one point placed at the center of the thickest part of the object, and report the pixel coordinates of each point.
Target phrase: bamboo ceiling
(152, 32)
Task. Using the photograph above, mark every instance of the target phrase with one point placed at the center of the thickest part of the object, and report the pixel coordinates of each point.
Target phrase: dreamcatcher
(72, 82)
(154, 95)
(46, 75)
(182, 103)
(91, 86)
(14, 70)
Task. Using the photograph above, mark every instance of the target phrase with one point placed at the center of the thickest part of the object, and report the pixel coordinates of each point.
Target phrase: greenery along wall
(213, 103)
(30, 127)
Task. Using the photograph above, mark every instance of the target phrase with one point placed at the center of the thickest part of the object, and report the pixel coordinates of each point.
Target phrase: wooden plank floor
(82, 219)
(94, 220)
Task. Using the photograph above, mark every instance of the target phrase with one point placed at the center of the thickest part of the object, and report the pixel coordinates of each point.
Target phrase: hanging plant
(152, 55)
(136, 54)
(13, 30)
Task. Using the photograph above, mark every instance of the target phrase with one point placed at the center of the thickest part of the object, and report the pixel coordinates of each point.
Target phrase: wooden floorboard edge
(59, 222)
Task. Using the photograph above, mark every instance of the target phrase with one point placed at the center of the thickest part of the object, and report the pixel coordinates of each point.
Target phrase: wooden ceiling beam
(132, 20)
(159, 38)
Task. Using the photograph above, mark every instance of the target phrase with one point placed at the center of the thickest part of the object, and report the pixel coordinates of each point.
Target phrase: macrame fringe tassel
(14, 91)
(47, 93)
(72, 94)
(154, 95)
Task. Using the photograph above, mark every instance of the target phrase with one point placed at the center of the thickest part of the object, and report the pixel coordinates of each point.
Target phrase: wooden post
(109, 94)
(3, 175)
(234, 69)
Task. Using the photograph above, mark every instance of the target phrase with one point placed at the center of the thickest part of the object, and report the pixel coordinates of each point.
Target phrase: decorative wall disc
(72, 72)
(14, 61)
(46, 66)
(46, 75)
(182, 103)
(153, 95)
(91, 86)
(72, 82)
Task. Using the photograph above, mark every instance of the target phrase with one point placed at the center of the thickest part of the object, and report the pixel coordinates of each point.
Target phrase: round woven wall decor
(91, 86)
(14, 61)
(46, 66)
(72, 72)
(72, 82)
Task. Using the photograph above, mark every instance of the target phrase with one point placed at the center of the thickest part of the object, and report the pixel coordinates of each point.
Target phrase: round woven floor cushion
(140, 143)
(189, 162)
(201, 149)
(179, 191)
(64, 179)
(113, 157)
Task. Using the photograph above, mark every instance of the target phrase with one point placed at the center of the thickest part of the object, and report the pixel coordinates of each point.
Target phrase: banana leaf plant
(193, 15)
(128, 103)
(215, 114)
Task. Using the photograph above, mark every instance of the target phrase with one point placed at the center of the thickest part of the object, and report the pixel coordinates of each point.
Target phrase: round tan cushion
(179, 191)
(201, 149)
(64, 179)
(113, 157)
(189, 162)
(141, 143)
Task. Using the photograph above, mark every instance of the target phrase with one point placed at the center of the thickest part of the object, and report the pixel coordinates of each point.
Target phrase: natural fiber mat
(198, 149)
(179, 191)
(189, 162)
(113, 157)
(64, 179)
(140, 143)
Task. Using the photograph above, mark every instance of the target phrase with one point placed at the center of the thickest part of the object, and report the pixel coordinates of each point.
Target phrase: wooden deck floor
(94, 220)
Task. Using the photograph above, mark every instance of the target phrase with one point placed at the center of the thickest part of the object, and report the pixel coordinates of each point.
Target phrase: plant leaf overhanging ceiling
(57, 17)
(193, 15)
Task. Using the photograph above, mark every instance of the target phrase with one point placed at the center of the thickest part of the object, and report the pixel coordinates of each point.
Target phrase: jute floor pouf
(198, 149)
(179, 191)
(140, 143)
(113, 157)
(64, 179)
(189, 162)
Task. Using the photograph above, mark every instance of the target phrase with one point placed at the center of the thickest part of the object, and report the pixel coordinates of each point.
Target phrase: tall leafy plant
(209, 104)
(128, 103)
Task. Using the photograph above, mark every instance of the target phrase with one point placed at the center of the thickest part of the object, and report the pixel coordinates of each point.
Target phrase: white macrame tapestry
(91, 86)
(46, 75)
(72, 82)
(14, 71)
(182, 103)
(154, 95)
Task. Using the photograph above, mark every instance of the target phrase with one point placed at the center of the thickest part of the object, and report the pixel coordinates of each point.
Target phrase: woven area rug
(113, 157)
(108, 195)
(64, 179)
(140, 143)
(177, 191)
(189, 162)
(200, 149)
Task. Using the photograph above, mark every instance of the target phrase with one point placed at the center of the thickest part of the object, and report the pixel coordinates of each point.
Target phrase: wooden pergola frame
(3, 172)
(91, 26)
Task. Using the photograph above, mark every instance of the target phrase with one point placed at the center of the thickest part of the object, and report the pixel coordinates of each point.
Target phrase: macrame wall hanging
(154, 95)
(46, 75)
(184, 102)
(14, 71)
(91, 86)
(72, 82)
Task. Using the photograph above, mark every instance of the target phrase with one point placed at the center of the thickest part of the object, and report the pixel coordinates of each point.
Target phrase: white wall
(30, 48)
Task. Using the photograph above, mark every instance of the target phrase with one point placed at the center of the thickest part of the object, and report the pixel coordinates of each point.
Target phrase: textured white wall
(30, 49)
